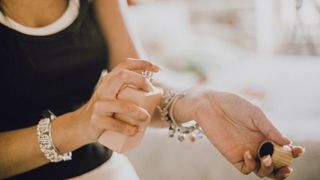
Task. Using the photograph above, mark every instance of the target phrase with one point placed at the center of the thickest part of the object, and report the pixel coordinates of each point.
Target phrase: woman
(52, 53)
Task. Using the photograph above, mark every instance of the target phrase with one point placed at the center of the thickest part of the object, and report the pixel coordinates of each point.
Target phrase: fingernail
(267, 161)
(302, 152)
(287, 138)
(287, 148)
(130, 58)
(248, 154)
(156, 68)
(155, 65)
(290, 141)
(290, 169)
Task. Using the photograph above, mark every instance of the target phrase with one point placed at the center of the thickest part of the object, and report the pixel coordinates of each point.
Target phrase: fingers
(267, 128)
(111, 124)
(104, 105)
(283, 173)
(136, 114)
(266, 167)
(111, 85)
(249, 163)
(297, 151)
(123, 128)
(129, 77)
(126, 73)
(130, 120)
(137, 64)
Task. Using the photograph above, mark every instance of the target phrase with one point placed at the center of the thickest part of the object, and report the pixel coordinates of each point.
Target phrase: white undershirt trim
(68, 17)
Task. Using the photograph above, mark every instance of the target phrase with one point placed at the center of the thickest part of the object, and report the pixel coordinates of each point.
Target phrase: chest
(53, 72)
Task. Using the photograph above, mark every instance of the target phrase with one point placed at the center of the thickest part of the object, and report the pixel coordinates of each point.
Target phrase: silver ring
(148, 75)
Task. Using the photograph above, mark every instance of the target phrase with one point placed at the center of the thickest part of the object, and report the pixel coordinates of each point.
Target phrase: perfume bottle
(148, 100)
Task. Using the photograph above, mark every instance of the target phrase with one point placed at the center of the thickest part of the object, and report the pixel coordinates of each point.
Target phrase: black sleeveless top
(56, 72)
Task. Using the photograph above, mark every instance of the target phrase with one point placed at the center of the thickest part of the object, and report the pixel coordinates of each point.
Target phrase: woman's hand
(236, 128)
(97, 115)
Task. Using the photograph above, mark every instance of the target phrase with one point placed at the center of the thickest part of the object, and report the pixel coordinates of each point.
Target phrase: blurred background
(265, 50)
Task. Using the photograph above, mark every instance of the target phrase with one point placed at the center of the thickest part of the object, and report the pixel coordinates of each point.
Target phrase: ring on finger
(148, 75)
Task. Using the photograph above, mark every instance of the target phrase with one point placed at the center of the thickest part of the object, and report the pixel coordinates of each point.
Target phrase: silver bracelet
(46, 143)
(168, 101)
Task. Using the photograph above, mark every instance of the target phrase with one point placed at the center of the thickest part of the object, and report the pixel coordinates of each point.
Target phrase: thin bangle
(172, 117)
(169, 99)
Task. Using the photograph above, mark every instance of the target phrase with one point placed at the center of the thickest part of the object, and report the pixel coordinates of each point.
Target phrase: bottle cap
(280, 155)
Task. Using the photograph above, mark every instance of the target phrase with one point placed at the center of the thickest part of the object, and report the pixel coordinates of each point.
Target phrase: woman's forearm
(122, 44)
(20, 151)
(112, 17)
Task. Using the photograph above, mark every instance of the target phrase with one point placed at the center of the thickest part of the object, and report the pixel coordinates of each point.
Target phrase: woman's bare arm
(112, 17)
(196, 105)
(20, 150)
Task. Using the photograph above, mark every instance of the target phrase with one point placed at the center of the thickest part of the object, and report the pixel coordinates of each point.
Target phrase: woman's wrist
(185, 107)
(67, 134)
(176, 109)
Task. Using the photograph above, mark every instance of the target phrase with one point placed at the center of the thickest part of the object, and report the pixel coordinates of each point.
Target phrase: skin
(34, 13)
(217, 111)
(236, 128)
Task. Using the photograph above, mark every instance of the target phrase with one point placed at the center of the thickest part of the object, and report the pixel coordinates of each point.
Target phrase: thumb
(267, 128)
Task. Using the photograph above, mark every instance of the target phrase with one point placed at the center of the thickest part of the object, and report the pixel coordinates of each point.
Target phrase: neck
(35, 13)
